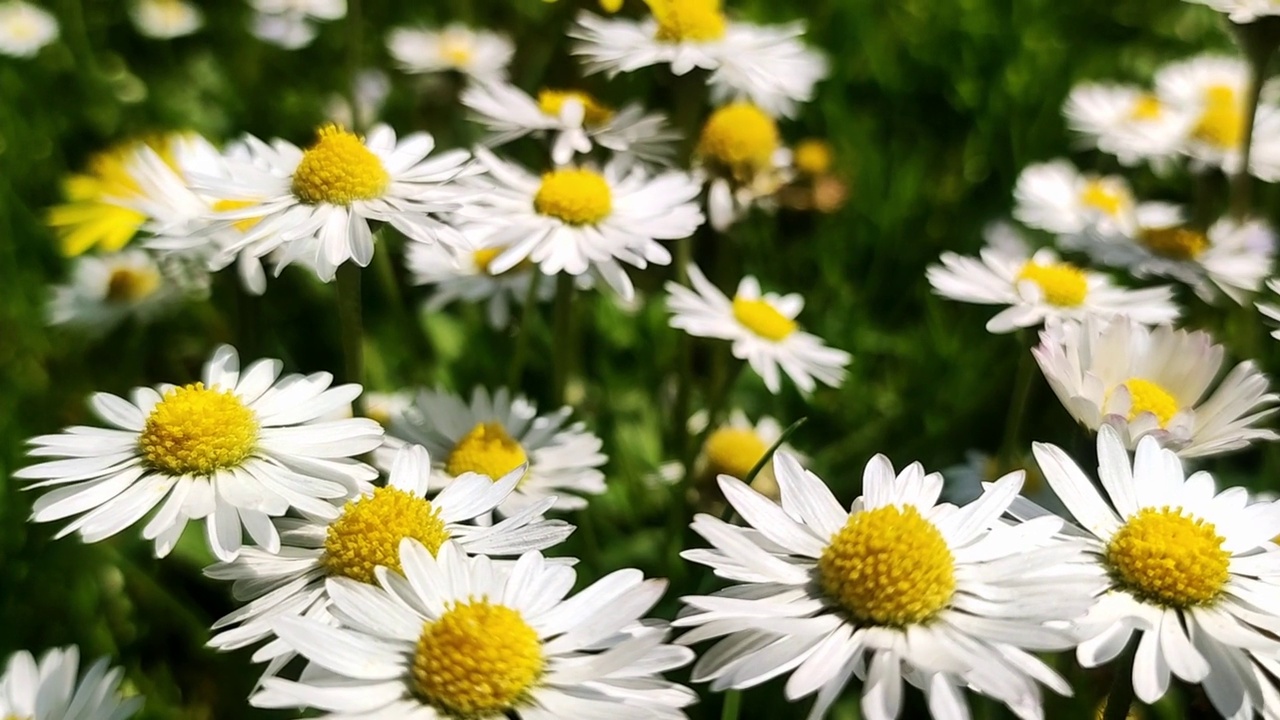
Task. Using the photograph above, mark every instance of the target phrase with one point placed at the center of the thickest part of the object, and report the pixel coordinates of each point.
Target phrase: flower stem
(732, 702)
(1120, 698)
(351, 325)
(684, 363)
(562, 339)
(1017, 404)
(1259, 41)
(522, 333)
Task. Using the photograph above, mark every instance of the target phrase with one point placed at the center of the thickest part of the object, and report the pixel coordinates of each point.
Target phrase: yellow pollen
(338, 170)
(763, 319)
(1175, 243)
(812, 157)
(734, 451)
(1146, 107)
(1168, 558)
(127, 285)
(739, 138)
(477, 661)
(1105, 196)
(551, 102)
(196, 430)
(245, 225)
(487, 450)
(888, 566)
(456, 50)
(369, 530)
(575, 195)
(687, 20)
(1150, 397)
(1222, 122)
(1063, 284)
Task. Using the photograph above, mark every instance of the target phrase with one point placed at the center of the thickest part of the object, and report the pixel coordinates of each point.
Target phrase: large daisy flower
(455, 637)
(1143, 381)
(896, 588)
(25, 28)
(478, 54)
(105, 290)
(1192, 571)
(49, 690)
(1056, 197)
(1124, 120)
(235, 449)
(762, 328)
(165, 19)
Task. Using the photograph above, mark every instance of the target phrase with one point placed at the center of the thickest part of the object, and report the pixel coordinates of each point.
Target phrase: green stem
(684, 363)
(562, 337)
(732, 702)
(1259, 41)
(522, 333)
(77, 34)
(1120, 699)
(351, 325)
(1022, 383)
(355, 42)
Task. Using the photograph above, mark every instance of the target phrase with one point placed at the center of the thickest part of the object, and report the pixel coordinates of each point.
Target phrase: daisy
(1056, 197)
(1242, 11)
(478, 54)
(896, 588)
(1124, 120)
(237, 449)
(493, 435)
(104, 290)
(25, 28)
(762, 328)
(1143, 381)
(578, 121)
(1190, 570)
(740, 151)
(49, 690)
(317, 204)
(291, 24)
(165, 19)
(365, 536)
(576, 219)
(456, 637)
(735, 446)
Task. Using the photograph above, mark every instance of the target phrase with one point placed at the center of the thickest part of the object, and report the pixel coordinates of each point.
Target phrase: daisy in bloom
(235, 449)
(316, 204)
(767, 65)
(469, 277)
(493, 435)
(165, 19)
(49, 690)
(478, 54)
(762, 328)
(1242, 11)
(578, 120)
(741, 153)
(1143, 381)
(578, 218)
(291, 24)
(896, 588)
(366, 536)
(735, 446)
(1057, 197)
(1124, 120)
(456, 637)
(1190, 570)
(104, 290)
(1039, 287)
(25, 28)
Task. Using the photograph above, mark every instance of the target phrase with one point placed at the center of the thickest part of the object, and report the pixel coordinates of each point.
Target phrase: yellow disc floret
(1107, 197)
(812, 157)
(1166, 557)
(1221, 123)
(197, 430)
(487, 449)
(1146, 107)
(339, 170)
(1175, 243)
(688, 20)
(740, 139)
(1062, 284)
(888, 566)
(1150, 397)
(734, 451)
(477, 660)
(551, 102)
(576, 196)
(369, 530)
(763, 319)
(129, 285)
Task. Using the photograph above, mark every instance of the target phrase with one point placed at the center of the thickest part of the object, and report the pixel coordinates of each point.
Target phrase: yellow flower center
(763, 319)
(1175, 243)
(575, 195)
(734, 451)
(1221, 124)
(812, 157)
(1107, 197)
(369, 530)
(129, 285)
(477, 661)
(741, 138)
(889, 566)
(487, 450)
(456, 49)
(1150, 397)
(196, 430)
(551, 102)
(1063, 284)
(1146, 107)
(245, 225)
(339, 170)
(1168, 558)
(688, 20)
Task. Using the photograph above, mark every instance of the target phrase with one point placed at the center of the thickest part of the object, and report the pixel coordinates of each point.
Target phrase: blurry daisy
(578, 121)
(741, 153)
(1056, 197)
(494, 435)
(291, 24)
(1144, 381)
(576, 219)
(896, 588)
(478, 54)
(235, 449)
(165, 19)
(735, 446)
(1242, 11)
(762, 328)
(364, 537)
(1186, 568)
(1124, 120)
(25, 28)
(966, 482)
(455, 637)
(769, 65)
(104, 290)
(469, 277)
(49, 690)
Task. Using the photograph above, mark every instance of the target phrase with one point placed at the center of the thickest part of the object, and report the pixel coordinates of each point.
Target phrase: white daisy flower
(577, 120)
(576, 219)
(741, 153)
(1242, 11)
(25, 28)
(1056, 197)
(492, 435)
(1124, 120)
(165, 19)
(762, 328)
(291, 24)
(897, 587)
(734, 447)
(767, 64)
(1155, 382)
(236, 449)
(478, 54)
(105, 290)
(365, 536)
(317, 204)
(50, 689)
(1190, 570)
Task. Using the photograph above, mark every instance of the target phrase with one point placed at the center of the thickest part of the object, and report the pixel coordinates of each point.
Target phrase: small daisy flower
(165, 19)
(762, 328)
(1056, 197)
(735, 446)
(50, 689)
(576, 219)
(478, 54)
(1155, 381)
(469, 277)
(896, 588)
(1242, 11)
(105, 290)
(25, 28)
(1124, 120)
(578, 121)
(457, 637)
(291, 24)
(492, 435)
(741, 153)
(235, 449)
(1190, 570)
